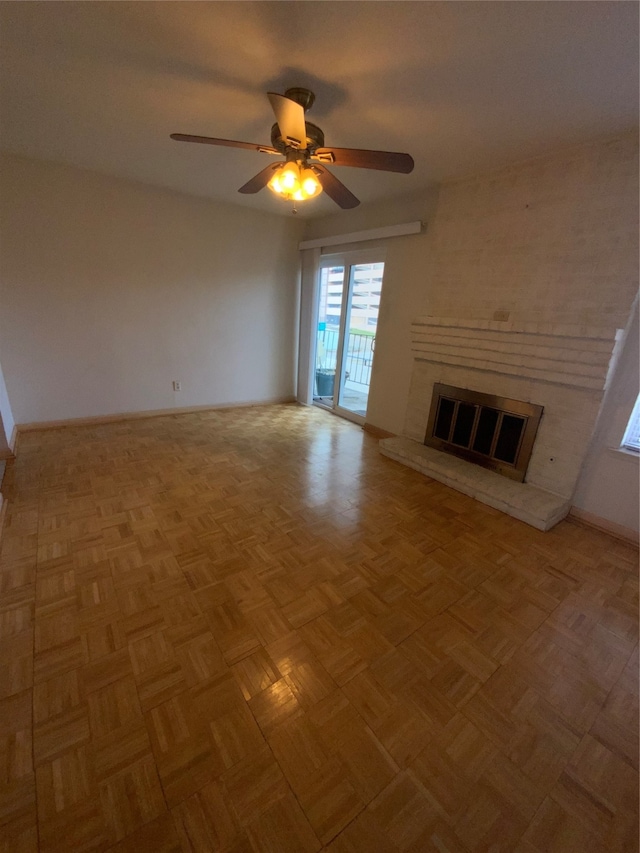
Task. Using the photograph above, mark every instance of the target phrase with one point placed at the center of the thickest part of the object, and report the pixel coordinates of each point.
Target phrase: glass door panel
(349, 291)
(330, 294)
(358, 344)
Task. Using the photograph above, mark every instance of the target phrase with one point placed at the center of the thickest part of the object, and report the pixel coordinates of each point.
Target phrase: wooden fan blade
(385, 161)
(335, 189)
(290, 118)
(231, 143)
(260, 180)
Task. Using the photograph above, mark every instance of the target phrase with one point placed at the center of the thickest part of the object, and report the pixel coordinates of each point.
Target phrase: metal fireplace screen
(494, 432)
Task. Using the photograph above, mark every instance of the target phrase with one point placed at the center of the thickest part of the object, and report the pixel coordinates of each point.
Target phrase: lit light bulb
(310, 184)
(290, 177)
(275, 183)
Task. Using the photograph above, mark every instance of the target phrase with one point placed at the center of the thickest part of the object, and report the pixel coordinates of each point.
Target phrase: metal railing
(358, 355)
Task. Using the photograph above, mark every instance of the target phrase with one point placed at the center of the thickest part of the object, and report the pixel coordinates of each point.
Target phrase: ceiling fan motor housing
(315, 137)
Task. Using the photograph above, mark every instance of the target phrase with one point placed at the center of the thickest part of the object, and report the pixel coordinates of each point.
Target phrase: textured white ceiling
(461, 86)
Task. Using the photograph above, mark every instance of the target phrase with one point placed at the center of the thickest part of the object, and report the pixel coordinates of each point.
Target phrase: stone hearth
(537, 507)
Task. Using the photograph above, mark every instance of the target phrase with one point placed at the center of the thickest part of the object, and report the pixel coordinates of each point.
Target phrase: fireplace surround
(495, 432)
(563, 368)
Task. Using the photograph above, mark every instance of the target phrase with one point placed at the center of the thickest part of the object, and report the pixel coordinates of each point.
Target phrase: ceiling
(461, 86)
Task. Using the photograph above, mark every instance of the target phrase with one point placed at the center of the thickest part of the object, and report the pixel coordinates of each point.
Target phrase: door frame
(347, 260)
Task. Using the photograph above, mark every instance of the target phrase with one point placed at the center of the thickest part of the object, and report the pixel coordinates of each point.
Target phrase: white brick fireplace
(561, 367)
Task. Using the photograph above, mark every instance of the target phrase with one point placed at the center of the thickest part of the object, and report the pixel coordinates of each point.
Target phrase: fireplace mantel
(577, 356)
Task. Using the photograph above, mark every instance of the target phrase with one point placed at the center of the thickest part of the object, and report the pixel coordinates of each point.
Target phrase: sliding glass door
(349, 290)
(330, 293)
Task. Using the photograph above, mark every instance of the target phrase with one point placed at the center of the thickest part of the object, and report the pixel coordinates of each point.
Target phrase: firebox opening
(494, 432)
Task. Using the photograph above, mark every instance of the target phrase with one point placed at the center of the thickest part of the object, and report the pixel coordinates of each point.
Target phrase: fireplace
(564, 368)
(495, 432)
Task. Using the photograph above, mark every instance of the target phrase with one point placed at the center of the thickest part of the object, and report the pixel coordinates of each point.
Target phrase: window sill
(623, 453)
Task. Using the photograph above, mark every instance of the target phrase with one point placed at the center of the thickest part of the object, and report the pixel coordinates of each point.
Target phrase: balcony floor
(353, 399)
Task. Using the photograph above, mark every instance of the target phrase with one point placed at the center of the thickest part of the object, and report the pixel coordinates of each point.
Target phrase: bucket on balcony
(325, 380)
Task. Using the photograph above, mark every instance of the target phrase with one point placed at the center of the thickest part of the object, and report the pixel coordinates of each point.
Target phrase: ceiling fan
(304, 173)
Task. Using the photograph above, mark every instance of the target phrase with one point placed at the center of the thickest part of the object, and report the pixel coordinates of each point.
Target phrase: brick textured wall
(546, 246)
(553, 239)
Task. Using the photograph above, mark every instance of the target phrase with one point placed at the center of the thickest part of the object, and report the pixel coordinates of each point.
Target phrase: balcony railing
(358, 355)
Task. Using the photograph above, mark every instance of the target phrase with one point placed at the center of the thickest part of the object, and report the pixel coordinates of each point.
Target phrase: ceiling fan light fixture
(300, 142)
(291, 181)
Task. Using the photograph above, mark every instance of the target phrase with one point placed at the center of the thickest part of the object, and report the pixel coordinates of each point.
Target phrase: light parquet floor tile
(246, 630)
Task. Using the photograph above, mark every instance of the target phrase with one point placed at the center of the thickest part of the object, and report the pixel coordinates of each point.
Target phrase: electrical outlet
(177, 385)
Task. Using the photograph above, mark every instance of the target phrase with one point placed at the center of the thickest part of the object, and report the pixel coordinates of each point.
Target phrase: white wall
(551, 240)
(608, 487)
(402, 291)
(109, 290)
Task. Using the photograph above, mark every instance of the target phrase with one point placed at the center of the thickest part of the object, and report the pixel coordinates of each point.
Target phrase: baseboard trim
(13, 439)
(149, 413)
(377, 432)
(581, 516)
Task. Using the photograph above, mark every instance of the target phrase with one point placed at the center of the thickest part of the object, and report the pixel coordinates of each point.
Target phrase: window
(631, 438)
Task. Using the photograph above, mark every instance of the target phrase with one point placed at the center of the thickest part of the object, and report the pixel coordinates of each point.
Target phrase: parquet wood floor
(248, 631)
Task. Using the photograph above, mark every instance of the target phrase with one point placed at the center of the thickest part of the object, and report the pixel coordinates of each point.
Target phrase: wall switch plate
(177, 385)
